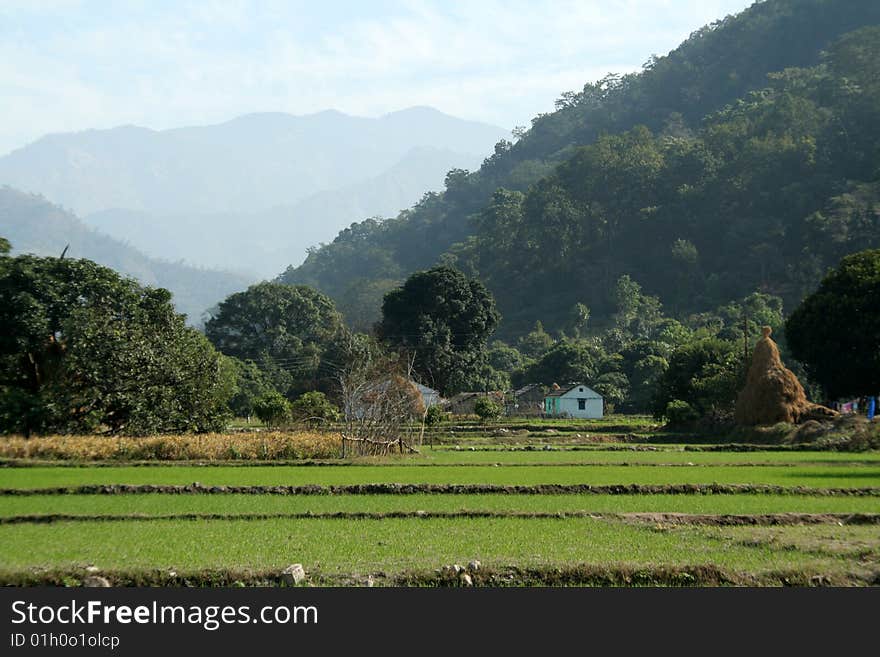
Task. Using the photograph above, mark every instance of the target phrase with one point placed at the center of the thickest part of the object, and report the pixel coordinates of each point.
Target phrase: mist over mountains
(251, 194)
(33, 225)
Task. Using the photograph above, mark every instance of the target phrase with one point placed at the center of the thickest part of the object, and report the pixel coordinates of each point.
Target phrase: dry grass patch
(201, 447)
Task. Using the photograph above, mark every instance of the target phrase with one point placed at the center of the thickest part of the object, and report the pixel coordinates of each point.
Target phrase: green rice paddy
(845, 476)
(138, 533)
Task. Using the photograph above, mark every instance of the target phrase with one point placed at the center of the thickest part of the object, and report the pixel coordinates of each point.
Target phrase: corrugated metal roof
(525, 389)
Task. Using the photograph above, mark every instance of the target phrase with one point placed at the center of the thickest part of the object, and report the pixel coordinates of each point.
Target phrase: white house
(574, 401)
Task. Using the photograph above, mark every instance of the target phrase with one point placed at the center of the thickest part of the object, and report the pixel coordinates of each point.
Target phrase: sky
(70, 65)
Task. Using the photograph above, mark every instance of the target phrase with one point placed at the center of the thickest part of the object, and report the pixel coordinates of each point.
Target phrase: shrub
(313, 407)
(487, 409)
(679, 412)
(272, 409)
(434, 415)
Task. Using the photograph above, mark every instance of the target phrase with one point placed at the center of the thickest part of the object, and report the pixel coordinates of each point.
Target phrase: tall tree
(835, 332)
(83, 349)
(444, 319)
(568, 361)
(284, 329)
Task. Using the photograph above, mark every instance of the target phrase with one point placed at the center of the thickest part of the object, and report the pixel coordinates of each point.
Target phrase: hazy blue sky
(71, 65)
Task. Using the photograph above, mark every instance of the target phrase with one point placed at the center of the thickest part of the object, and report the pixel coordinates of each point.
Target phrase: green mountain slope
(721, 202)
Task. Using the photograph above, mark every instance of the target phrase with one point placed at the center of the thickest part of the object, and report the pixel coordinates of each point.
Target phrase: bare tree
(383, 407)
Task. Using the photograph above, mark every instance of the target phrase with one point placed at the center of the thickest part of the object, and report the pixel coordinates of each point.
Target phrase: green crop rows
(800, 475)
(139, 533)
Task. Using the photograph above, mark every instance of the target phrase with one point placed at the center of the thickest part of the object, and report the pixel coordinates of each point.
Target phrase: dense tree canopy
(565, 362)
(445, 320)
(705, 374)
(835, 332)
(284, 329)
(83, 349)
(251, 384)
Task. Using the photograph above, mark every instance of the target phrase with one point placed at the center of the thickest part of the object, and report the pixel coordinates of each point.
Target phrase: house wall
(430, 398)
(523, 407)
(567, 405)
(465, 407)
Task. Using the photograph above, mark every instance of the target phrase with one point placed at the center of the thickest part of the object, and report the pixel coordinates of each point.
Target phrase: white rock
(466, 580)
(95, 581)
(293, 574)
(474, 565)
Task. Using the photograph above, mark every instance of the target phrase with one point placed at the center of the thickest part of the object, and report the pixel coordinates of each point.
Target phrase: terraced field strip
(823, 476)
(722, 520)
(350, 547)
(566, 575)
(507, 458)
(158, 504)
(837, 541)
(658, 457)
(443, 489)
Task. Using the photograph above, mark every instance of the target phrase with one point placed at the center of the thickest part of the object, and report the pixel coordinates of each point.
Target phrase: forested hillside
(746, 159)
(33, 225)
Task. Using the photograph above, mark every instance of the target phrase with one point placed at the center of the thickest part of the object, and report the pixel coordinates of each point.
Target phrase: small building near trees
(430, 397)
(463, 403)
(367, 401)
(526, 401)
(574, 401)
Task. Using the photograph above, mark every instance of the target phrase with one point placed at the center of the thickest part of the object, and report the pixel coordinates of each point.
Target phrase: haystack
(772, 392)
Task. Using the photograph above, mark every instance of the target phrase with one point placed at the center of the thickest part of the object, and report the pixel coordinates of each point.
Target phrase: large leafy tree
(251, 384)
(569, 361)
(284, 329)
(705, 374)
(83, 349)
(835, 332)
(444, 319)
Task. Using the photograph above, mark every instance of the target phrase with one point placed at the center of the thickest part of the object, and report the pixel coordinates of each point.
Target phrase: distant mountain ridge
(285, 232)
(33, 225)
(248, 175)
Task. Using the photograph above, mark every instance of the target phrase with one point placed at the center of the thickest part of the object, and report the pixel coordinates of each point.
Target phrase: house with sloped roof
(575, 401)
(528, 400)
